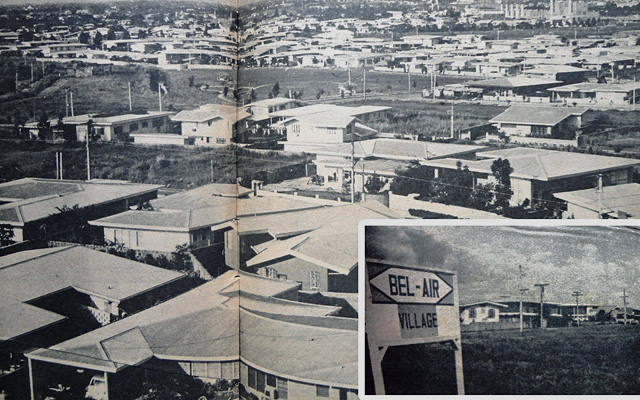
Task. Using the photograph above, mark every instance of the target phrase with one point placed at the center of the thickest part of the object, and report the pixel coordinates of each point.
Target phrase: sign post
(410, 305)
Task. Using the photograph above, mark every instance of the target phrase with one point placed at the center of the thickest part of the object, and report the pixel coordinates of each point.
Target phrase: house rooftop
(512, 82)
(131, 117)
(612, 200)
(271, 102)
(33, 274)
(537, 115)
(589, 87)
(31, 199)
(541, 165)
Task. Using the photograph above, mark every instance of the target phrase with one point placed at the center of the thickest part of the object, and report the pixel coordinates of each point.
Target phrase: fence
(404, 203)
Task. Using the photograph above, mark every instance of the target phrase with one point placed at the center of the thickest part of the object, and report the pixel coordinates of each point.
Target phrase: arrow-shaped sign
(411, 286)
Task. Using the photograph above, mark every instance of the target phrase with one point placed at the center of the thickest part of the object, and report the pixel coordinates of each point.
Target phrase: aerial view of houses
(181, 183)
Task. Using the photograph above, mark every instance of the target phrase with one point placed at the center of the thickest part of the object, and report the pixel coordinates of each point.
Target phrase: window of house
(492, 313)
(482, 311)
(145, 124)
(133, 127)
(538, 130)
(118, 130)
(314, 280)
(99, 131)
(322, 391)
(283, 277)
(221, 140)
(209, 123)
(472, 313)
(208, 140)
(272, 273)
(158, 122)
(252, 377)
(271, 380)
(261, 380)
(282, 389)
(332, 131)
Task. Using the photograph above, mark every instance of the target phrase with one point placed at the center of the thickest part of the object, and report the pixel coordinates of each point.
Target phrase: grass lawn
(593, 359)
(175, 166)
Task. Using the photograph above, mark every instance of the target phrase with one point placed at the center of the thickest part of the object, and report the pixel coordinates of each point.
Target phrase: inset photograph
(459, 308)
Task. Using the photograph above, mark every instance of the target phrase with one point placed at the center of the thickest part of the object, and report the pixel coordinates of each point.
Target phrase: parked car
(97, 389)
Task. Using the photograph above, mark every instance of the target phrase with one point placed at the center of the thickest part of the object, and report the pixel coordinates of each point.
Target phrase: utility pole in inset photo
(521, 291)
(577, 295)
(541, 286)
(624, 300)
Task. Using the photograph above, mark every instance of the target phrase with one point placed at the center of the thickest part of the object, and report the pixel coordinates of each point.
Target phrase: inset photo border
(508, 307)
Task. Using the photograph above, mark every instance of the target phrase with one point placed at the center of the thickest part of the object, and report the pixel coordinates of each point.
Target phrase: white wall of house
(483, 313)
(305, 133)
(209, 133)
(139, 239)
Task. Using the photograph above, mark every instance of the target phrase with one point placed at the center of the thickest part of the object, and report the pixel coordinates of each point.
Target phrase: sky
(597, 261)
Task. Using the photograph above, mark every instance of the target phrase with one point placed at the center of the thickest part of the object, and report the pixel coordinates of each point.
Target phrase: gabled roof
(333, 244)
(210, 112)
(590, 87)
(537, 115)
(270, 102)
(324, 119)
(480, 303)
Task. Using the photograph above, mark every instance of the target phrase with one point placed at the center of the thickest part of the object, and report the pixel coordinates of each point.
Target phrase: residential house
(197, 334)
(517, 88)
(52, 294)
(212, 124)
(119, 127)
(38, 208)
(481, 312)
(538, 174)
(540, 121)
(617, 202)
(608, 94)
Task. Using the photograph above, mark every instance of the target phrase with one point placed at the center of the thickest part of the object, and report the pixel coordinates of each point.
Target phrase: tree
(374, 184)
(252, 95)
(44, 127)
(415, 179)
(6, 234)
(126, 34)
(501, 170)
(97, 39)
(225, 91)
(276, 89)
(111, 34)
(84, 37)
(191, 81)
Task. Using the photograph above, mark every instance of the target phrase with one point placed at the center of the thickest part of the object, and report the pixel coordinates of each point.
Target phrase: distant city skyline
(598, 261)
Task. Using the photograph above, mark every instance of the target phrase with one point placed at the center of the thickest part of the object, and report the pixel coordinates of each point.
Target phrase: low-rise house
(540, 121)
(517, 88)
(212, 124)
(320, 251)
(119, 127)
(38, 208)
(263, 110)
(161, 139)
(538, 174)
(617, 202)
(608, 94)
(481, 312)
(70, 289)
(198, 334)
(563, 73)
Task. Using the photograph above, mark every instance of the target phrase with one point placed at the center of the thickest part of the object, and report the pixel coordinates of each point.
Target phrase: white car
(97, 388)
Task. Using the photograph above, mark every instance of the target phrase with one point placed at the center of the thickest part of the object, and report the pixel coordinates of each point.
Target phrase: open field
(174, 166)
(593, 359)
(108, 94)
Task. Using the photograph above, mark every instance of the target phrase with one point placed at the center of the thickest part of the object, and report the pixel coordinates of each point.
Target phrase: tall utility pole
(353, 171)
(364, 80)
(130, 102)
(71, 103)
(541, 286)
(577, 295)
(599, 190)
(409, 77)
(624, 299)
(88, 156)
(521, 290)
(451, 118)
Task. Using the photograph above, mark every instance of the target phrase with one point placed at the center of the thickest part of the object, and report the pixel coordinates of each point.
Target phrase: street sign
(410, 286)
(410, 305)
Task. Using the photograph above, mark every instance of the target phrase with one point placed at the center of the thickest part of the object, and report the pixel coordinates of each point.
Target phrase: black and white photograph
(502, 309)
(182, 181)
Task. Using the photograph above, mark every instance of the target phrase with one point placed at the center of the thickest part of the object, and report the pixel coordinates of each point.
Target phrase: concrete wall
(210, 133)
(404, 203)
(139, 239)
